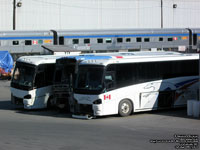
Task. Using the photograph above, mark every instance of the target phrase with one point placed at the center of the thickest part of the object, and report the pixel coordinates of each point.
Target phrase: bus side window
(110, 81)
(39, 80)
(40, 77)
(49, 72)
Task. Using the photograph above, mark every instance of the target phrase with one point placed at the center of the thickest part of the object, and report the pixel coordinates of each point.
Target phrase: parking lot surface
(57, 130)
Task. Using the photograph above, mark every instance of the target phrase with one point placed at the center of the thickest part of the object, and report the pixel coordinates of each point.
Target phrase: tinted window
(89, 79)
(170, 39)
(75, 41)
(49, 73)
(86, 41)
(119, 40)
(44, 76)
(108, 40)
(138, 39)
(128, 74)
(146, 39)
(15, 42)
(99, 40)
(28, 42)
(128, 39)
(160, 39)
(61, 40)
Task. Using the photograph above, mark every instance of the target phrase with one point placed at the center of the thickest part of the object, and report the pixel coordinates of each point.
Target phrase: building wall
(186, 14)
(99, 14)
(6, 10)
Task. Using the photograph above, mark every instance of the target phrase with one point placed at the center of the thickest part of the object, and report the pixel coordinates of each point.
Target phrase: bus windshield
(89, 79)
(23, 76)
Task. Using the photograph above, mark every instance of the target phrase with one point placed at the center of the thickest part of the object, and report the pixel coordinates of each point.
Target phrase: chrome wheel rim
(125, 108)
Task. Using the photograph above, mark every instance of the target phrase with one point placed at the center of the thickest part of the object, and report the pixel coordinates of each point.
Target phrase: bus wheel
(50, 103)
(125, 108)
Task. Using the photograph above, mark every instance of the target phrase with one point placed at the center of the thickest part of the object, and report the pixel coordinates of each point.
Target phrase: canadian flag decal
(107, 97)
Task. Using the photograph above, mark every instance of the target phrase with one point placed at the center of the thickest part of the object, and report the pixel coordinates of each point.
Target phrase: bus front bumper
(28, 103)
(88, 110)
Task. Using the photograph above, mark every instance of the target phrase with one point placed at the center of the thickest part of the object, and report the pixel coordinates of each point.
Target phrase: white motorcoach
(65, 74)
(31, 84)
(142, 82)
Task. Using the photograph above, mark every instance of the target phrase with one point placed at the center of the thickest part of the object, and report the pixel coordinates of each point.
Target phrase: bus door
(148, 100)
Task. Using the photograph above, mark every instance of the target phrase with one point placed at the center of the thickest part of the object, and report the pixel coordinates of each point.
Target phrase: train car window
(15, 42)
(28, 42)
(160, 39)
(108, 40)
(99, 40)
(128, 40)
(146, 39)
(138, 39)
(86, 41)
(170, 39)
(119, 40)
(75, 41)
(195, 39)
(61, 40)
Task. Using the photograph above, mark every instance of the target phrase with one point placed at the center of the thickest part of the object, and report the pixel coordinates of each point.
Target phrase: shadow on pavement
(173, 112)
(6, 105)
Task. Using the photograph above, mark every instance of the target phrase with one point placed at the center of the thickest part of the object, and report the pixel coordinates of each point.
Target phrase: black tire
(50, 103)
(125, 108)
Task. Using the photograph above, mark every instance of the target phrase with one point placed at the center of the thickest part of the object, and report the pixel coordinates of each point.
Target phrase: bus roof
(141, 57)
(36, 60)
(95, 56)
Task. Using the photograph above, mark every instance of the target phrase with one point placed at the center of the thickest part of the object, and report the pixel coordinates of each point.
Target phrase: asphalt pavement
(56, 130)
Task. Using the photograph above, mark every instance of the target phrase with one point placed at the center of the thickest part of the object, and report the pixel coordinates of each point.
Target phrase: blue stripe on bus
(124, 35)
(185, 82)
(26, 38)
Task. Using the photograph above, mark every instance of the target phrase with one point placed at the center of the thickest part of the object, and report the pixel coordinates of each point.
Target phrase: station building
(98, 14)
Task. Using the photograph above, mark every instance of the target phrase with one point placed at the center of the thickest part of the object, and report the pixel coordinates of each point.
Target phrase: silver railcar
(33, 42)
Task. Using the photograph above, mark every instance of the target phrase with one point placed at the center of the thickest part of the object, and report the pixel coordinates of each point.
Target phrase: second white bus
(32, 81)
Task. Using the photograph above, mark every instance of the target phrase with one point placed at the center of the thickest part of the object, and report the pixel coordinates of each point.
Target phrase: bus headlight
(27, 101)
(27, 96)
(98, 101)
